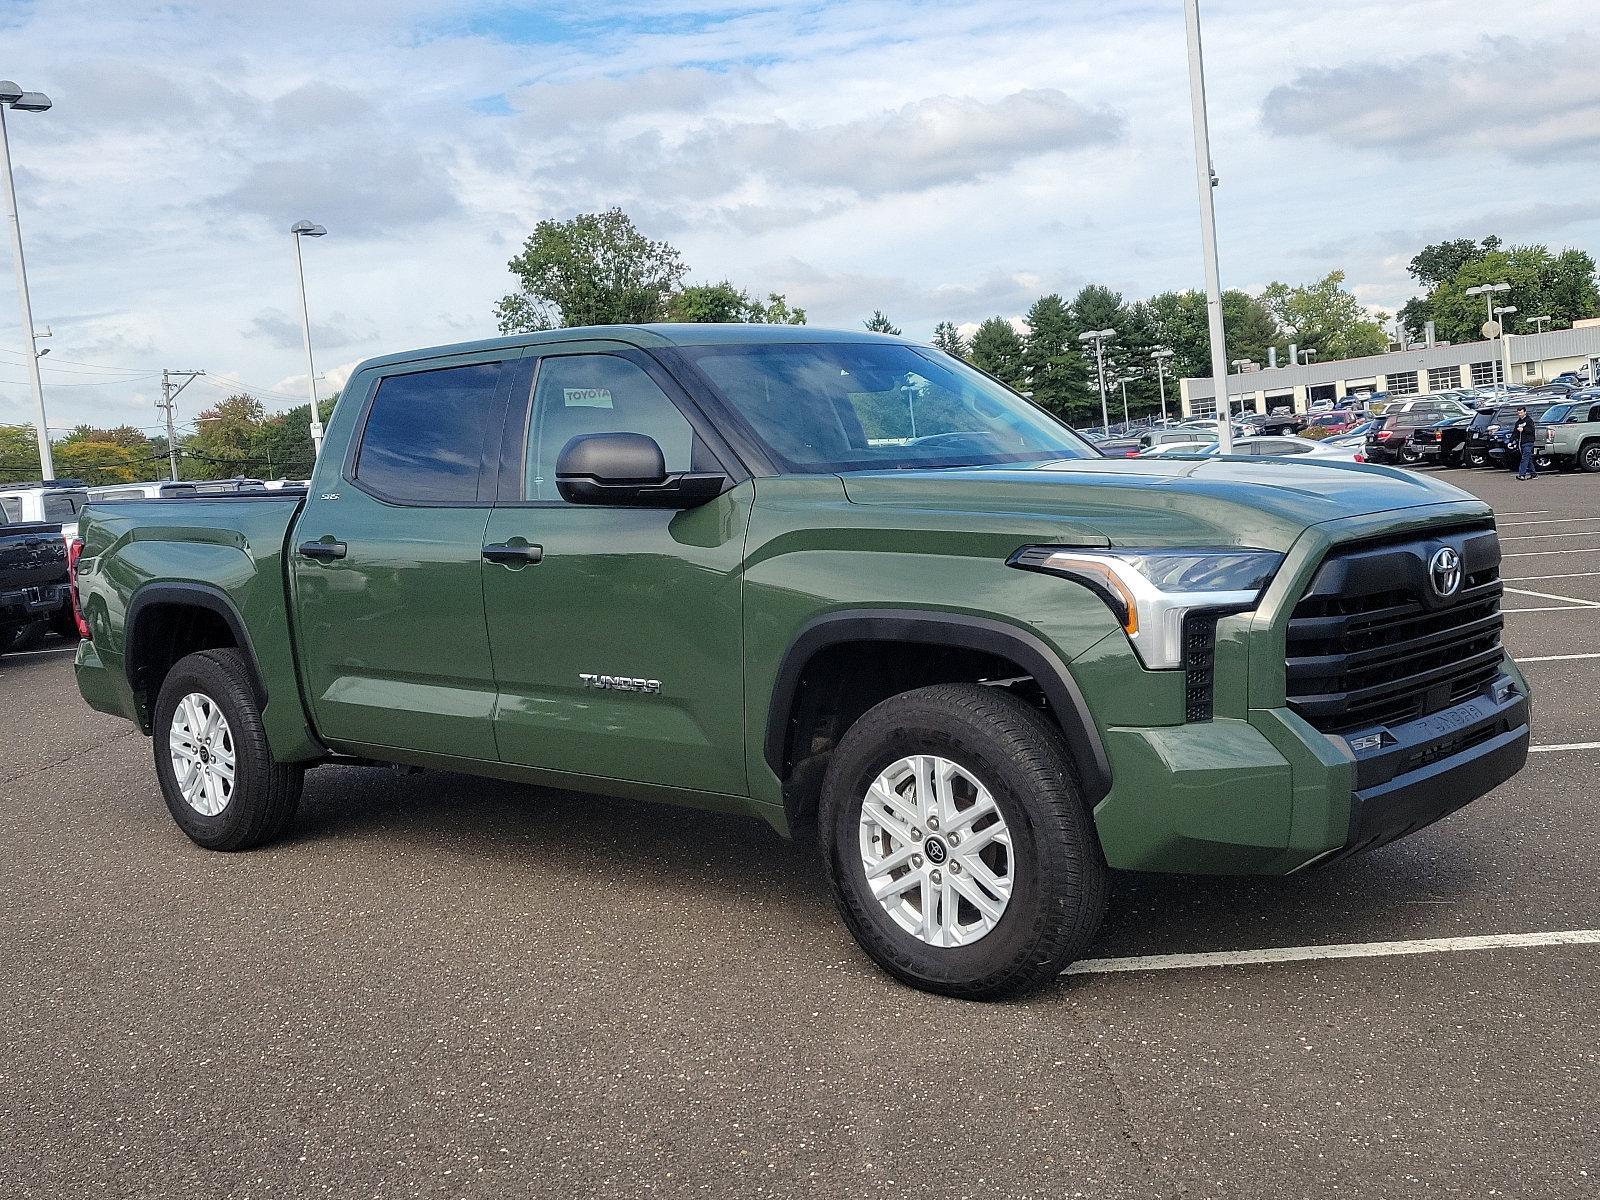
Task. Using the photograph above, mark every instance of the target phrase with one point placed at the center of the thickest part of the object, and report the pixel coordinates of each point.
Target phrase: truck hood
(1165, 502)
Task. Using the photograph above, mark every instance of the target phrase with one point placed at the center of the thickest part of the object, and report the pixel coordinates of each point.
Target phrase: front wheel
(1409, 456)
(220, 781)
(957, 843)
(1589, 457)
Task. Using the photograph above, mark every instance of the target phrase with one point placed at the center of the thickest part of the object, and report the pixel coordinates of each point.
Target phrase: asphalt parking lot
(444, 986)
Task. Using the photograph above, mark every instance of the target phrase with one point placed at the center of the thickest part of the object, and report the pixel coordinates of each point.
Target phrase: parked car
(1292, 447)
(1390, 441)
(47, 501)
(1569, 434)
(1497, 446)
(141, 491)
(981, 656)
(1177, 448)
(1275, 423)
(1171, 437)
(1333, 422)
(33, 581)
(1121, 447)
(1443, 441)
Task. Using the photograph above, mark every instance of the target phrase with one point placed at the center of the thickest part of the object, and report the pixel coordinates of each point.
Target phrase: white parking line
(1555, 658)
(1533, 537)
(1566, 746)
(1551, 521)
(1532, 512)
(1541, 578)
(1551, 596)
(52, 650)
(1239, 958)
(1554, 608)
(1537, 553)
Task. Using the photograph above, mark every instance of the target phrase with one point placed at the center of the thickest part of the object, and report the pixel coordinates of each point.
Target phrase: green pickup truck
(836, 581)
(1569, 434)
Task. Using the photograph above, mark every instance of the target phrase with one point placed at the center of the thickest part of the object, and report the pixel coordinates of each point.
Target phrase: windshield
(861, 406)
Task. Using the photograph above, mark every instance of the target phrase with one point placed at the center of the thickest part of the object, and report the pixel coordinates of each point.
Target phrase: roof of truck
(642, 336)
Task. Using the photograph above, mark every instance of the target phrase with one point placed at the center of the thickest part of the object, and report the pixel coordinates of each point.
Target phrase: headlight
(1152, 591)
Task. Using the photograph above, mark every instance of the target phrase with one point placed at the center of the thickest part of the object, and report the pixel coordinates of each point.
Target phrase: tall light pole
(1306, 356)
(1488, 292)
(1538, 323)
(1161, 357)
(1501, 310)
(11, 96)
(1206, 178)
(302, 229)
(1099, 337)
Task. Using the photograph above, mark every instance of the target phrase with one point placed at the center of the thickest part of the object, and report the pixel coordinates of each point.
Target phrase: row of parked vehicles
(38, 523)
(1566, 433)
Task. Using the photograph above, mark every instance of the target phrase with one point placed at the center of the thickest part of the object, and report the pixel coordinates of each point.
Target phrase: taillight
(1385, 434)
(1360, 457)
(74, 552)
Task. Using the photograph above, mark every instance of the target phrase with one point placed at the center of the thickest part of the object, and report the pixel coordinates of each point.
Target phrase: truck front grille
(1371, 643)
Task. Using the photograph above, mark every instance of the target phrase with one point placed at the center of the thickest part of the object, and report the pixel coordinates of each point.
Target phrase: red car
(1335, 422)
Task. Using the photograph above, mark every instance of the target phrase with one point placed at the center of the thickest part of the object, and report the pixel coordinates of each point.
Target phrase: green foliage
(948, 338)
(237, 438)
(879, 323)
(100, 462)
(1325, 317)
(1560, 286)
(1181, 325)
(997, 349)
(596, 269)
(121, 435)
(722, 302)
(1054, 366)
(19, 453)
(1442, 261)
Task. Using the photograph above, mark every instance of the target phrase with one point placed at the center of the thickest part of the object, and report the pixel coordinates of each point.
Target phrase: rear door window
(63, 506)
(423, 442)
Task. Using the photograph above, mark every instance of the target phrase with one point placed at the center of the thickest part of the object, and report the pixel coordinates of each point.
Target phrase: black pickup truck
(33, 581)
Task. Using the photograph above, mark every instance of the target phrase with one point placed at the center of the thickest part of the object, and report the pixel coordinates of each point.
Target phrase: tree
(726, 303)
(1054, 366)
(19, 453)
(596, 269)
(98, 463)
(878, 323)
(1181, 324)
(1441, 261)
(281, 446)
(948, 338)
(1325, 317)
(997, 349)
(1560, 286)
(223, 444)
(121, 435)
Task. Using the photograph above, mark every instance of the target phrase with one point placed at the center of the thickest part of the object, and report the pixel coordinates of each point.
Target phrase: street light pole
(11, 96)
(1161, 357)
(1098, 337)
(1206, 178)
(302, 229)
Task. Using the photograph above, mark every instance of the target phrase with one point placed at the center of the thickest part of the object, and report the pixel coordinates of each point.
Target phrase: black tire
(1589, 457)
(264, 794)
(32, 636)
(64, 624)
(1477, 459)
(8, 637)
(1059, 876)
(1410, 457)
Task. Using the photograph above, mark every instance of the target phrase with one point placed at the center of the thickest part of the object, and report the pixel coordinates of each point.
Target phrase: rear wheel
(1410, 456)
(958, 846)
(1589, 457)
(1477, 458)
(221, 784)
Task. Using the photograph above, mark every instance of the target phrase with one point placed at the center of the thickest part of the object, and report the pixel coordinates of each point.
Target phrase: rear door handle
(323, 551)
(513, 555)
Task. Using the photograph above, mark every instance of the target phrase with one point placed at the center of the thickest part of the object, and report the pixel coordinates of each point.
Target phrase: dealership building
(1520, 358)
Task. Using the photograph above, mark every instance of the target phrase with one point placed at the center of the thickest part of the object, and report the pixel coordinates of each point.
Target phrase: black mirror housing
(628, 469)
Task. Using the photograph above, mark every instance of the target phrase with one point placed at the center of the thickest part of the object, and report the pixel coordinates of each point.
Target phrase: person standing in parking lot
(1522, 440)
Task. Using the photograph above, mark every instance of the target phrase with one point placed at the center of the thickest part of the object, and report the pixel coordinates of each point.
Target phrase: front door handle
(323, 551)
(513, 554)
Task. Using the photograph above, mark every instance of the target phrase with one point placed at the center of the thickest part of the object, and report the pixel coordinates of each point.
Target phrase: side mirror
(628, 469)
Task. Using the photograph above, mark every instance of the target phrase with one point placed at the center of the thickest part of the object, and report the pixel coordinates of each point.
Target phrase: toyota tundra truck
(836, 581)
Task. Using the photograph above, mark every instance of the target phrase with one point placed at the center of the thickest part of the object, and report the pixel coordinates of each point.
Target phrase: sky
(937, 160)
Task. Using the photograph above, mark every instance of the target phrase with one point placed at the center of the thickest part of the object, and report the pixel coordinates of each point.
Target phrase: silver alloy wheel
(203, 760)
(936, 851)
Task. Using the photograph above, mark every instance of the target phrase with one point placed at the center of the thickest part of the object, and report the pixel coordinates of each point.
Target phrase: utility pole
(1206, 176)
(169, 396)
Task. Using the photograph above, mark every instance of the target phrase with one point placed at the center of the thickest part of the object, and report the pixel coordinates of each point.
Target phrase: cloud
(1532, 103)
(277, 328)
(588, 103)
(365, 194)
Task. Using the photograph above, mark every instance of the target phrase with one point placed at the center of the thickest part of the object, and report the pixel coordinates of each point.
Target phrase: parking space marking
(1541, 578)
(1552, 596)
(1532, 512)
(1555, 658)
(1536, 553)
(1551, 521)
(1534, 537)
(1565, 746)
(1238, 958)
(1553, 608)
(52, 650)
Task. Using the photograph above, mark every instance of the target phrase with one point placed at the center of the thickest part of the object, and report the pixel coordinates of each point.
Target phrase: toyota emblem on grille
(1444, 573)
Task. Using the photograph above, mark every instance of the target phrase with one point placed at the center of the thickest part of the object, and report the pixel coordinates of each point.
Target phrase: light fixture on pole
(1538, 323)
(1306, 356)
(1099, 337)
(302, 229)
(1239, 364)
(1500, 310)
(1487, 291)
(1206, 180)
(1161, 357)
(13, 97)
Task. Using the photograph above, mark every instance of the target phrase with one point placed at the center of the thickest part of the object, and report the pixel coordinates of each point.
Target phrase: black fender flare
(1025, 649)
(189, 595)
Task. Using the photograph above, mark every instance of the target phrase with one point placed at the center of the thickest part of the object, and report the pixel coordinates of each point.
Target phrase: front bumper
(1272, 795)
